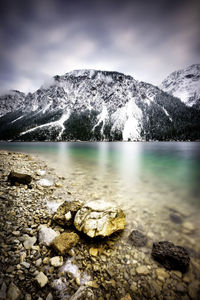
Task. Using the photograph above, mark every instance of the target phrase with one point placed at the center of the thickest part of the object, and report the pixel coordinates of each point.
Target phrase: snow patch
(102, 117)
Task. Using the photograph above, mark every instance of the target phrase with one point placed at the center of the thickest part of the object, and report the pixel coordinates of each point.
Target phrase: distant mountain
(185, 85)
(11, 101)
(98, 105)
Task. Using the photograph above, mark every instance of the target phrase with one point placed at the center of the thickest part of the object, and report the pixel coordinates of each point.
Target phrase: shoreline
(115, 272)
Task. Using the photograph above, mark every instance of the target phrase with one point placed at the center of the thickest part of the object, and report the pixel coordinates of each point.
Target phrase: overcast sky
(143, 38)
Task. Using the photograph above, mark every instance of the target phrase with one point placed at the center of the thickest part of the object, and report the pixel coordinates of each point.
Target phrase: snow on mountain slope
(11, 101)
(184, 84)
(97, 105)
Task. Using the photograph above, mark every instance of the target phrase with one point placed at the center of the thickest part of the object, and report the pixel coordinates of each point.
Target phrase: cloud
(146, 39)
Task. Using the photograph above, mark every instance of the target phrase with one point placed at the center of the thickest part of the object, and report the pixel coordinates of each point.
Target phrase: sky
(142, 38)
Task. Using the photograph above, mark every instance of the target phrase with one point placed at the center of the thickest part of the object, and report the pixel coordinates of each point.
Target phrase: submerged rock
(176, 219)
(170, 256)
(66, 212)
(15, 177)
(137, 239)
(46, 235)
(64, 242)
(99, 218)
(83, 293)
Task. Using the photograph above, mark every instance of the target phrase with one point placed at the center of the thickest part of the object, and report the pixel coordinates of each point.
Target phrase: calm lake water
(151, 181)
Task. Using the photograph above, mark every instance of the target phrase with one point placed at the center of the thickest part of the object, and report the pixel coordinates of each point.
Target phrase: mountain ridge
(99, 105)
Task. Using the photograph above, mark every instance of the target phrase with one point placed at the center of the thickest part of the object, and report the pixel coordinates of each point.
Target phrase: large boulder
(99, 218)
(66, 212)
(18, 178)
(170, 256)
(64, 242)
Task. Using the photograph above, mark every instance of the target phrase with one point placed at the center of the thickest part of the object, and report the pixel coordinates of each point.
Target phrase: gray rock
(46, 235)
(83, 293)
(137, 239)
(49, 297)
(3, 291)
(29, 242)
(99, 218)
(13, 292)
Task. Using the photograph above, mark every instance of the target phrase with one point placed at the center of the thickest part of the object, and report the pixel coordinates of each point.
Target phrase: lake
(157, 184)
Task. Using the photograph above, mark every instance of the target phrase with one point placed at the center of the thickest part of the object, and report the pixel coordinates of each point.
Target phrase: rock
(142, 270)
(13, 292)
(29, 242)
(38, 262)
(44, 182)
(66, 212)
(93, 251)
(162, 274)
(58, 184)
(137, 239)
(3, 291)
(25, 265)
(188, 226)
(64, 242)
(181, 288)
(170, 256)
(99, 218)
(194, 289)
(126, 297)
(176, 218)
(46, 235)
(41, 279)
(27, 297)
(15, 177)
(41, 172)
(83, 293)
(49, 297)
(56, 261)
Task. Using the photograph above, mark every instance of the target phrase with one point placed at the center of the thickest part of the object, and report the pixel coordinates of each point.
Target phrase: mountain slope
(99, 105)
(184, 84)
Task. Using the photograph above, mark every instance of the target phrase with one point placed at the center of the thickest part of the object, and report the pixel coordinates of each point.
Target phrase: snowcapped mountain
(98, 105)
(184, 84)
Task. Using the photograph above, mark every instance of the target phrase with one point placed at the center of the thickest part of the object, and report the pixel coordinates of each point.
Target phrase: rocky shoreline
(109, 268)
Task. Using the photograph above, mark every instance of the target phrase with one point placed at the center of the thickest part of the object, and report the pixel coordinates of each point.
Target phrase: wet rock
(175, 219)
(99, 218)
(13, 292)
(137, 239)
(15, 177)
(56, 261)
(46, 235)
(83, 293)
(29, 242)
(64, 242)
(170, 256)
(41, 279)
(66, 212)
(142, 270)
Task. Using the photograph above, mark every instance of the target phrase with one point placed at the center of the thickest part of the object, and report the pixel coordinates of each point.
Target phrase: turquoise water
(149, 180)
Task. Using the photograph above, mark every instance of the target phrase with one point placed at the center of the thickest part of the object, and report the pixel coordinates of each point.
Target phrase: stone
(49, 297)
(181, 288)
(83, 293)
(56, 261)
(170, 256)
(66, 212)
(46, 235)
(64, 242)
(58, 184)
(38, 262)
(126, 297)
(142, 270)
(15, 177)
(175, 218)
(28, 297)
(44, 182)
(99, 218)
(188, 226)
(29, 242)
(13, 292)
(162, 275)
(3, 291)
(41, 279)
(41, 172)
(137, 239)
(25, 265)
(194, 289)
(93, 251)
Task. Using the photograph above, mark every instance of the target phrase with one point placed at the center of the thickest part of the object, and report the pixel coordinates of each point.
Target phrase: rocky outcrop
(137, 239)
(64, 242)
(170, 256)
(66, 212)
(99, 218)
(18, 178)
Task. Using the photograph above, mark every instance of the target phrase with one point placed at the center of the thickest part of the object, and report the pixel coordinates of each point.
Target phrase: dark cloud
(144, 38)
